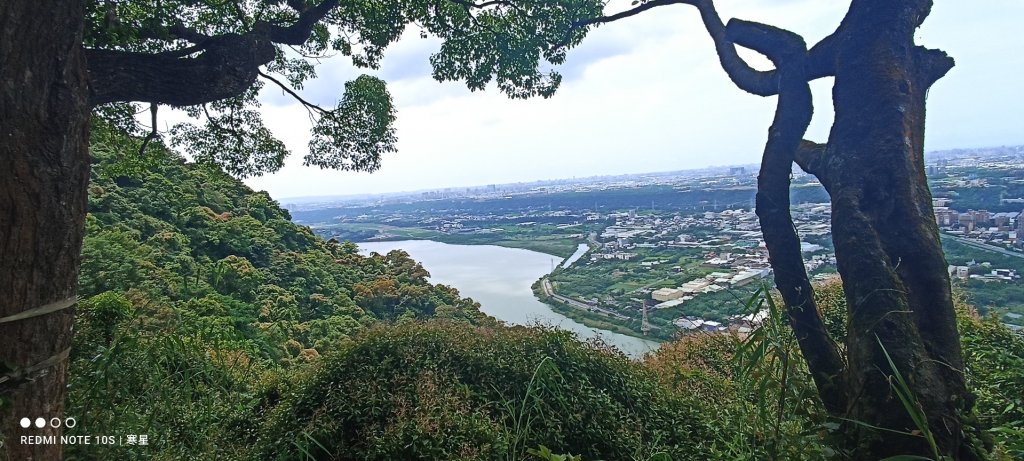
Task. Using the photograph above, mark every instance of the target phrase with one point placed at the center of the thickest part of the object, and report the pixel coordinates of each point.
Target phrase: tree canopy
(212, 58)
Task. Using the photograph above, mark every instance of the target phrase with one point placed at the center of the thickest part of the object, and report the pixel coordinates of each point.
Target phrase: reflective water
(499, 279)
(580, 251)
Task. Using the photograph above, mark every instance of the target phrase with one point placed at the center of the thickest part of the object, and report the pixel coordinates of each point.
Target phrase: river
(499, 279)
(580, 251)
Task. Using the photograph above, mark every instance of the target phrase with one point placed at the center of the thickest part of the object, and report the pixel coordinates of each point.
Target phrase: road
(985, 246)
(549, 291)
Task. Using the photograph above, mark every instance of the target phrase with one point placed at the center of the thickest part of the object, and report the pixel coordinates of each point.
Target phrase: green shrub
(443, 390)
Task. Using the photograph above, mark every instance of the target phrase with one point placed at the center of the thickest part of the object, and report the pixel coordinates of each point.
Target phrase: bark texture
(44, 171)
(49, 83)
(795, 67)
(887, 242)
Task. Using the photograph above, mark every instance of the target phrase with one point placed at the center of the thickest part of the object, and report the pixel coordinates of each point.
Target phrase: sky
(639, 95)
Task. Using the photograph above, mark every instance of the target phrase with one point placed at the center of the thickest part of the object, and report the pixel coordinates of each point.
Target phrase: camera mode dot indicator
(25, 423)
(40, 423)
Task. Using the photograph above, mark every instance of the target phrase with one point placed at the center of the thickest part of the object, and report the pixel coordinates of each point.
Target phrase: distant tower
(645, 326)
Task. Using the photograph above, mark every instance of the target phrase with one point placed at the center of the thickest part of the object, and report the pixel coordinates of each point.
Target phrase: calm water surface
(499, 279)
(580, 251)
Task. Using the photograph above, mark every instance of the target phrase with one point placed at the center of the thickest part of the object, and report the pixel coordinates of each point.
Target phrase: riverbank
(551, 246)
(561, 246)
(592, 319)
(499, 278)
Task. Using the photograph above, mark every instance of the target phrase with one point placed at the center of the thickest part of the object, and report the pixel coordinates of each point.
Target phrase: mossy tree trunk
(886, 239)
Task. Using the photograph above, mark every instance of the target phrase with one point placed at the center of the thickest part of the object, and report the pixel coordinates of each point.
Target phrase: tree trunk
(792, 117)
(887, 242)
(44, 172)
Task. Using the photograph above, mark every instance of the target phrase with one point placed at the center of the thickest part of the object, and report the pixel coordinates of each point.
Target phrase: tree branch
(152, 132)
(745, 77)
(810, 157)
(577, 25)
(469, 4)
(299, 31)
(775, 43)
(309, 106)
(227, 67)
(187, 33)
(931, 65)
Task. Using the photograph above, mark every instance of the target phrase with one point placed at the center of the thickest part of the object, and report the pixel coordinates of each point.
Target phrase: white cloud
(645, 94)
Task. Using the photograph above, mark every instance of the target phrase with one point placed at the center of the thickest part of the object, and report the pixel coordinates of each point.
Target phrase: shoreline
(588, 319)
(591, 319)
(524, 244)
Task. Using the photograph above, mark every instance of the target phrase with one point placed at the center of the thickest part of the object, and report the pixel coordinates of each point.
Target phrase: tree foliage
(188, 240)
(213, 59)
(193, 287)
(229, 333)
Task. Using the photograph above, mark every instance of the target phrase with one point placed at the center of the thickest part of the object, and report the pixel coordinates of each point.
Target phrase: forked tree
(887, 242)
(63, 62)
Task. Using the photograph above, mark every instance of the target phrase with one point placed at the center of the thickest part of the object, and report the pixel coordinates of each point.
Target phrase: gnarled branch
(810, 157)
(931, 65)
(225, 66)
(298, 32)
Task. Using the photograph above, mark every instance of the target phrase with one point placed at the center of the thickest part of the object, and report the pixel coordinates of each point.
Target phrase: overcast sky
(639, 95)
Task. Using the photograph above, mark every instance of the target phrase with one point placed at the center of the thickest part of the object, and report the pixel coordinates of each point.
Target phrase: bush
(442, 390)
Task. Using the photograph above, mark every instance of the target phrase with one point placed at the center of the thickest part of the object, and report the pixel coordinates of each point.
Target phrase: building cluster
(983, 272)
(741, 324)
(731, 244)
(1003, 227)
(731, 239)
(713, 282)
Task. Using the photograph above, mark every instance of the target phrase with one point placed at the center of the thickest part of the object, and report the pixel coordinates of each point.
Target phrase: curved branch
(792, 116)
(298, 32)
(745, 77)
(577, 25)
(226, 66)
(810, 156)
(776, 44)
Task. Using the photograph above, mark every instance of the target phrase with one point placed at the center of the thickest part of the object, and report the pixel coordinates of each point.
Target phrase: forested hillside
(193, 285)
(197, 249)
(215, 328)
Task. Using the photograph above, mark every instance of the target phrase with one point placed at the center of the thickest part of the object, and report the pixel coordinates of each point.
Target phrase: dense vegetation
(452, 391)
(193, 285)
(988, 296)
(220, 330)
